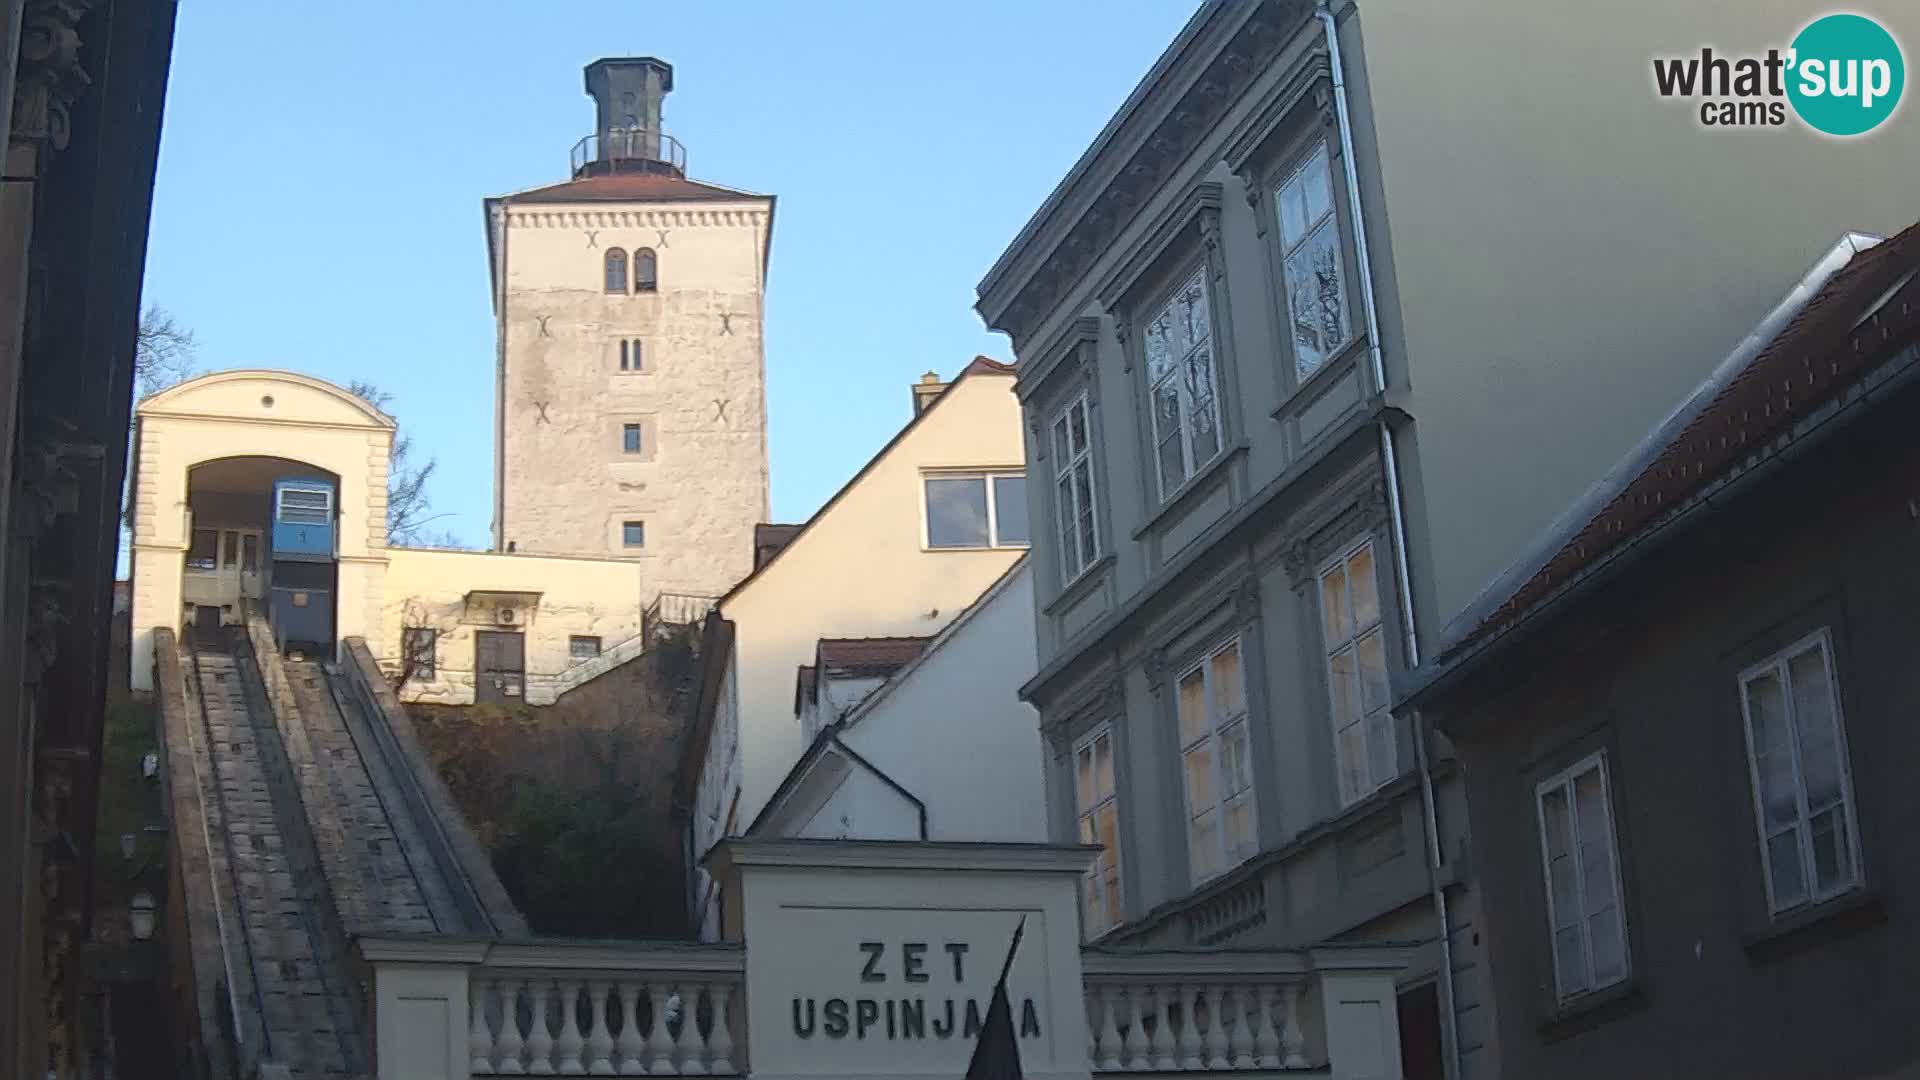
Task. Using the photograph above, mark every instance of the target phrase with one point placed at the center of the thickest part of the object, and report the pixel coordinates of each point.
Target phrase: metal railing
(635, 144)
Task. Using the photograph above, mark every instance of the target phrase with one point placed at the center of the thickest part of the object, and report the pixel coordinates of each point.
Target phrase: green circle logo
(1846, 74)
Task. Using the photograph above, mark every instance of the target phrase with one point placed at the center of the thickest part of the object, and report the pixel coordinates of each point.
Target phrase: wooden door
(499, 666)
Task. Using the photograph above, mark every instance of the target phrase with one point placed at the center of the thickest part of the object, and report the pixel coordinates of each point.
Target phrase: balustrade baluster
(567, 1048)
(1163, 1059)
(1109, 1039)
(721, 1042)
(1134, 1049)
(1091, 994)
(659, 1039)
(633, 1042)
(1293, 1045)
(693, 1050)
(480, 1036)
(1189, 1027)
(1266, 1044)
(1217, 1057)
(510, 1047)
(600, 1044)
(539, 1037)
(1240, 1036)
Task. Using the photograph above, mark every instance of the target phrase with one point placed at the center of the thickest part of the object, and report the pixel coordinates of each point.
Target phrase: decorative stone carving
(1246, 601)
(1210, 241)
(1256, 193)
(1298, 561)
(1155, 668)
(49, 74)
(1373, 503)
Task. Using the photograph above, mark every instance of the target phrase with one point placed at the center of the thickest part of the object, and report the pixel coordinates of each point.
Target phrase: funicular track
(286, 949)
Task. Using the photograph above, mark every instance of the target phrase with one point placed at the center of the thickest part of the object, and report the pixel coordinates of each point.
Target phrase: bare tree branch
(407, 502)
(163, 352)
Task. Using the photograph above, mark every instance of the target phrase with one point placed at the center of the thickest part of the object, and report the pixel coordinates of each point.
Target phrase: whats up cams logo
(1843, 75)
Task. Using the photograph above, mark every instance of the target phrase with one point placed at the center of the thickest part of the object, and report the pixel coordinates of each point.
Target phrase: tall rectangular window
(1217, 762)
(984, 510)
(1098, 807)
(1356, 646)
(1582, 866)
(1073, 488)
(417, 646)
(203, 553)
(1181, 383)
(1802, 786)
(633, 534)
(630, 438)
(1310, 259)
(631, 355)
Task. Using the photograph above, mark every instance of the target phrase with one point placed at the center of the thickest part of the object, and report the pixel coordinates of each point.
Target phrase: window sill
(1848, 913)
(1336, 368)
(930, 550)
(1591, 1009)
(1082, 584)
(1186, 493)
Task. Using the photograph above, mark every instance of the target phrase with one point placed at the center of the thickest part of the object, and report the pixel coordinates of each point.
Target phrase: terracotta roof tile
(869, 656)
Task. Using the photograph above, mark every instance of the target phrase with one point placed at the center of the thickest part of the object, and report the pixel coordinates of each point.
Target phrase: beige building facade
(631, 406)
(869, 564)
(460, 626)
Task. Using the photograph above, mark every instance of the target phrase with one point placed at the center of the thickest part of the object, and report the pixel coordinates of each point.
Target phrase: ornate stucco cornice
(1059, 252)
(49, 75)
(519, 218)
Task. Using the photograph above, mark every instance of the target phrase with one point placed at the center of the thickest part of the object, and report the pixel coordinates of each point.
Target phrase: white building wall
(952, 729)
(861, 569)
(863, 807)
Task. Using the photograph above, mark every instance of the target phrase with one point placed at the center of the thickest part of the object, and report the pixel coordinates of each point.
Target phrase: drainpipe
(1430, 818)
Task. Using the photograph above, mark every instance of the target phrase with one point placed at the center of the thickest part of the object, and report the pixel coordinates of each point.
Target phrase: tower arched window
(646, 271)
(616, 270)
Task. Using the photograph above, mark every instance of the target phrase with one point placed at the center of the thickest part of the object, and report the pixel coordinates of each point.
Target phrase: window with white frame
(1182, 385)
(1315, 283)
(1216, 760)
(1582, 865)
(1098, 808)
(1802, 786)
(1356, 642)
(976, 510)
(1073, 488)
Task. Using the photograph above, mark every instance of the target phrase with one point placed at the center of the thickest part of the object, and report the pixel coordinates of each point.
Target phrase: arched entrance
(263, 536)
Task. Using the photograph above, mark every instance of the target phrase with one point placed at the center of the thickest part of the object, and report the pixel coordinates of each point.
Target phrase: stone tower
(630, 410)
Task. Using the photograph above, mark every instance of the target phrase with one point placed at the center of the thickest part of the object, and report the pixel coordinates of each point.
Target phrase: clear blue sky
(322, 166)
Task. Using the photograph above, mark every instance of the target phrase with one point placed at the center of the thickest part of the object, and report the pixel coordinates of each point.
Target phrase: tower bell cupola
(627, 136)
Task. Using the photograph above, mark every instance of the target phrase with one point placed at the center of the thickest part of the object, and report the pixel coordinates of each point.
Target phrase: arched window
(616, 270)
(645, 271)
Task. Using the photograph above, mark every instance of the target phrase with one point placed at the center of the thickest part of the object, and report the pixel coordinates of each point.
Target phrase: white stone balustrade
(1154, 1010)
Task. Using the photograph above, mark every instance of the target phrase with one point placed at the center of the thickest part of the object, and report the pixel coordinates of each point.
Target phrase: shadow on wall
(573, 800)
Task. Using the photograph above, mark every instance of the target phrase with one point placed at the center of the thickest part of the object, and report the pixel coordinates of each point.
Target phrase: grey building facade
(1688, 747)
(1310, 345)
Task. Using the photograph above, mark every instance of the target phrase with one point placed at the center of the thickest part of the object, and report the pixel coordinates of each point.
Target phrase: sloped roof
(826, 743)
(869, 656)
(1856, 315)
(630, 187)
(979, 365)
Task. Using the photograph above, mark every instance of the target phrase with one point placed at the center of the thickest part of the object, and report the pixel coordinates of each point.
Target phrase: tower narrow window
(645, 271)
(617, 270)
